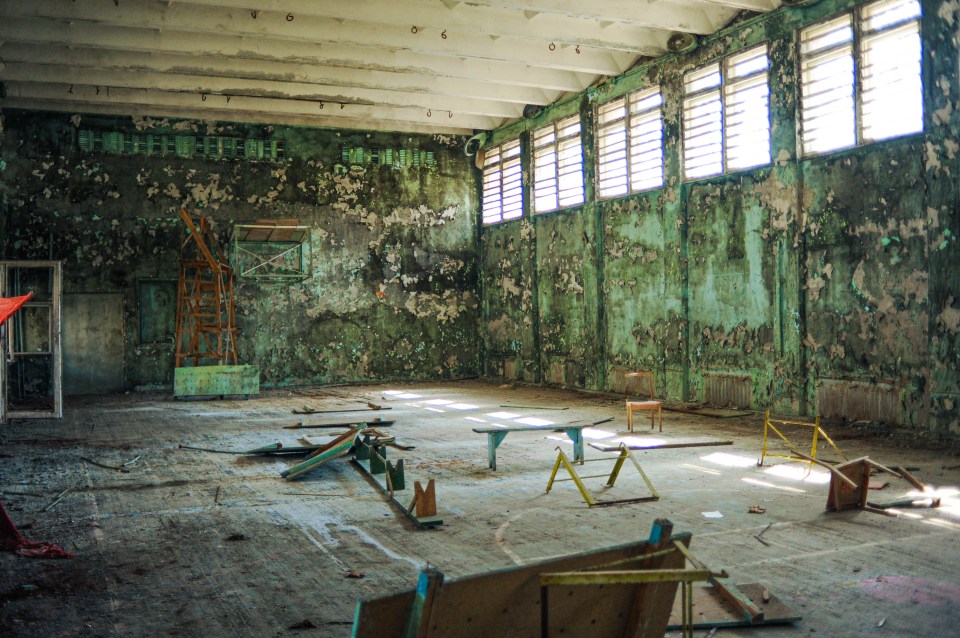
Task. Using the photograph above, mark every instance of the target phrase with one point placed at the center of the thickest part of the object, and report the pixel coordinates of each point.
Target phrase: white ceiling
(435, 66)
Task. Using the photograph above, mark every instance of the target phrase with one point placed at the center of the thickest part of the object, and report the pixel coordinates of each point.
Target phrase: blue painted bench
(495, 436)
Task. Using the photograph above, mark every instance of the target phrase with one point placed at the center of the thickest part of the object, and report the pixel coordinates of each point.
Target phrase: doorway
(31, 350)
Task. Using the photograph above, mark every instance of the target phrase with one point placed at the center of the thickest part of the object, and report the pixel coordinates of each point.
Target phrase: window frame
(697, 92)
(634, 117)
(509, 170)
(559, 143)
(859, 37)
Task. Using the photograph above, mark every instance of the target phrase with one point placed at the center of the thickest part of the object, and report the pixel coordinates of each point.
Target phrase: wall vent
(85, 141)
(858, 401)
(399, 159)
(186, 146)
(724, 390)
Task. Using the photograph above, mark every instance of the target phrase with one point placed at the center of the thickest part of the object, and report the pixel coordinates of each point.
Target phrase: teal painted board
(216, 380)
(334, 449)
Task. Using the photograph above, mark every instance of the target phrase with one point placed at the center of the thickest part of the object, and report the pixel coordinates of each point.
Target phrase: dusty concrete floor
(155, 555)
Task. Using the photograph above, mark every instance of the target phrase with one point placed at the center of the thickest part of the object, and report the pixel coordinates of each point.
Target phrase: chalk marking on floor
(501, 541)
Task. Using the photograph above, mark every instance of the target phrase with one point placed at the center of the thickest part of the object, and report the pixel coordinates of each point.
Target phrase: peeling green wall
(392, 292)
(838, 271)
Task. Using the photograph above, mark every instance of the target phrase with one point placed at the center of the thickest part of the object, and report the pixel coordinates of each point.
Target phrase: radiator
(858, 400)
(724, 390)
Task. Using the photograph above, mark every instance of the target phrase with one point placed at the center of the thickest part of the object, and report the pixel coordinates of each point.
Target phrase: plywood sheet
(483, 606)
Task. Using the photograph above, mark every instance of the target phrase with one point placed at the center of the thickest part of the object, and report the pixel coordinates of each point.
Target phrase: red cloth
(9, 305)
(10, 538)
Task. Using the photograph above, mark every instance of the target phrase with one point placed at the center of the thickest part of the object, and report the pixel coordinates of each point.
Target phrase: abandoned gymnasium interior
(486, 319)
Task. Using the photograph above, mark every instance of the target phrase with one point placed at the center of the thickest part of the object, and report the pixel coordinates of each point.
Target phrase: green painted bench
(496, 435)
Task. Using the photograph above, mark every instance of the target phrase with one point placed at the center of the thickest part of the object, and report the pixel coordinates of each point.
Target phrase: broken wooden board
(716, 413)
(340, 424)
(336, 448)
(711, 610)
(272, 448)
(609, 447)
(370, 408)
(507, 601)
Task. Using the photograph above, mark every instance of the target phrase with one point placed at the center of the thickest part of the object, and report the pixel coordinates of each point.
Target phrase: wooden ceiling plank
(84, 57)
(502, 20)
(320, 31)
(210, 86)
(40, 31)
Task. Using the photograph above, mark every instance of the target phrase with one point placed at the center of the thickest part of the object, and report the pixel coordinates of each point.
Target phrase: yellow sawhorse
(771, 424)
(625, 454)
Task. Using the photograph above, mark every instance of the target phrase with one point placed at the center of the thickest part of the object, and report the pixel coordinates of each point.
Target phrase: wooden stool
(654, 406)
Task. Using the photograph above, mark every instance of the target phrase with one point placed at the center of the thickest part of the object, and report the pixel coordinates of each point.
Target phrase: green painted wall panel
(394, 287)
(807, 272)
(216, 381)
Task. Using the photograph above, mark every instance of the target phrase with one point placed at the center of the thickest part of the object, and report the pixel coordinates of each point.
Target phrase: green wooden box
(216, 381)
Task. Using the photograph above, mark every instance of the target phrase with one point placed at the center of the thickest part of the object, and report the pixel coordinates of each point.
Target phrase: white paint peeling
(942, 115)
(932, 162)
(947, 11)
(952, 147)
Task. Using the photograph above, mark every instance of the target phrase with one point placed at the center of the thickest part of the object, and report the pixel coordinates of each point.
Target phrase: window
(630, 144)
(746, 104)
(726, 115)
(557, 165)
(861, 84)
(274, 249)
(502, 183)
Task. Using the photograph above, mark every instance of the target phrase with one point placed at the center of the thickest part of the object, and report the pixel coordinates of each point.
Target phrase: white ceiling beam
(220, 47)
(210, 117)
(271, 25)
(504, 20)
(631, 11)
(272, 70)
(760, 6)
(266, 106)
(239, 87)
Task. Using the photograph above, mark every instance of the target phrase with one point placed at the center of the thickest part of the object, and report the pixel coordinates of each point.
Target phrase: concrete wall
(825, 285)
(391, 291)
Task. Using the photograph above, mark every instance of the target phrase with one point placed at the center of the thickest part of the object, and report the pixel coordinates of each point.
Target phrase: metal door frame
(56, 352)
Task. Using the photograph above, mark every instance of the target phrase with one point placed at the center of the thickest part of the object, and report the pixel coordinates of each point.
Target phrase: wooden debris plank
(716, 413)
(332, 411)
(339, 424)
(336, 448)
(609, 447)
(740, 601)
(711, 610)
